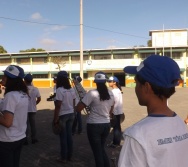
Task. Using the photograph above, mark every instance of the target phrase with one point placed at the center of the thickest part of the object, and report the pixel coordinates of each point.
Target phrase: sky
(54, 25)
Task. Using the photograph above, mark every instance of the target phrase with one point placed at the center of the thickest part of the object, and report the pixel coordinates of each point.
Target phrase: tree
(149, 43)
(58, 60)
(33, 50)
(2, 50)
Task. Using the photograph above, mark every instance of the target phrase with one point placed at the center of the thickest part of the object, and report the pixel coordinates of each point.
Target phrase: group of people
(103, 103)
(159, 139)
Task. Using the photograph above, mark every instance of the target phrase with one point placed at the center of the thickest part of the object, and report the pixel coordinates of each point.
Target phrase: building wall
(169, 38)
(109, 61)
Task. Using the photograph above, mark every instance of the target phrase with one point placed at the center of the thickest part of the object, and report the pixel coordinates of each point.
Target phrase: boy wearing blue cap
(161, 138)
(34, 99)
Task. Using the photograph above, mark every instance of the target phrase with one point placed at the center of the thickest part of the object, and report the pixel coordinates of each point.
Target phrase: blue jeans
(117, 131)
(10, 153)
(77, 121)
(31, 124)
(66, 142)
(97, 134)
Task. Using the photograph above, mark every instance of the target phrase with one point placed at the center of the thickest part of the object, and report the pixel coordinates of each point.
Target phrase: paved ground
(44, 153)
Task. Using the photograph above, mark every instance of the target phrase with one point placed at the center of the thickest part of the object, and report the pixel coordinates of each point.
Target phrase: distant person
(77, 124)
(64, 115)
(52, 97)
(34, 99)
(13, 117)
(113, 82)
(101, 101)
(161, 138)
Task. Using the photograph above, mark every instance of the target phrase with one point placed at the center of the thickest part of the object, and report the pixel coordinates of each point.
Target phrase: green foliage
(33, 50)
(149, 43)
(2, 50)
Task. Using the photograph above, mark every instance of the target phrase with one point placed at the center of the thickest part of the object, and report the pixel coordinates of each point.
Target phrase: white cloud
(58, 27)
(48, 41)
(111, 47)
(36, 16)
(69, 43)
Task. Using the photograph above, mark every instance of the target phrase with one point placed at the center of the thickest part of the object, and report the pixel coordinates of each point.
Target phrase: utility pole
(81, 39)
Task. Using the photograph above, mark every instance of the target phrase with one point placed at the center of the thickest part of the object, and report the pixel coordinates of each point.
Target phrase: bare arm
(38, 100)
(111, 111)
(6, 119)
(56, 111)
(80, 106)
(186, 120)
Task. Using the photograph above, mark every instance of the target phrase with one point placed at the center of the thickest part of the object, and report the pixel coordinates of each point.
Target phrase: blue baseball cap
(114, 79)
(28, 77)
(100, 77)
(159, 70)
(62, 74)
(14, 71)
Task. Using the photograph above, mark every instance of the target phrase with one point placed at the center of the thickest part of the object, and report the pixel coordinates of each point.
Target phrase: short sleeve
(132, 154)
(59, 95)
(9, 103)
(87, 98)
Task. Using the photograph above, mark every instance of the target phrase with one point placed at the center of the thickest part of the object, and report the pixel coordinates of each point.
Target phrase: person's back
(99, 109)
(160, 139)
(34, 94)
(34, 99)
(163, 139)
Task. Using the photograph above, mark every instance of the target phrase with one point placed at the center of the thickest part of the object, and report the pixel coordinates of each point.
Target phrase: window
(5, 61)
(23, 60)
(78, 74)
(85, 57)
(145, 55)
(40, 75)
(39, 60)
(173, 55)
(101, 57)
(123, 56)
(75, 59)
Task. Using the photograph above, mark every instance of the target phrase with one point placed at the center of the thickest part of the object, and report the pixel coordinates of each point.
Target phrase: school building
(44, 65)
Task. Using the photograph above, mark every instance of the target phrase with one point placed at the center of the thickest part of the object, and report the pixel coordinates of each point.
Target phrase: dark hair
(63, 81)
(103, 91)
(119, 86)
(159, 91)
(15, 84)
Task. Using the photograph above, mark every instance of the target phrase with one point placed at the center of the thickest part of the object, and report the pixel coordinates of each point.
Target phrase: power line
(33, 22)
(115, 32)
(54, 24)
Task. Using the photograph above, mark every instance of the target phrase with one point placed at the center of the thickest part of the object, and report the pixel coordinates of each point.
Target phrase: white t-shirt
(155, 142)
(34, 94)
(99, 110)
(66, 96)
(118, 106)
(16, 103)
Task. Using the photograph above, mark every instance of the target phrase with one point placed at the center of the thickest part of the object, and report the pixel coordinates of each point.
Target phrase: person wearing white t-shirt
(34, 99)
(161, 138)
(13, 120)
(64, 115)
(77, 124)
(101, 101)
(113, 82)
